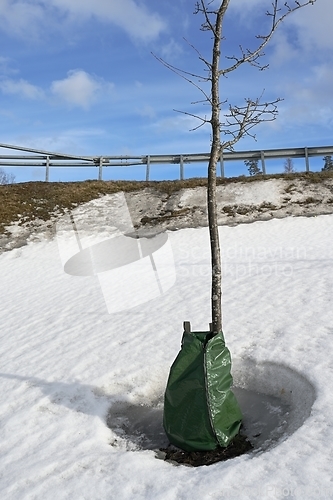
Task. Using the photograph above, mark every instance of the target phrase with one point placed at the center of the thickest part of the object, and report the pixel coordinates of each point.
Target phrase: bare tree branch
(207, 25)
(200, 57)
(197, 117)
(180, 72)
(185, 74)
(251, 56)
(238, 121)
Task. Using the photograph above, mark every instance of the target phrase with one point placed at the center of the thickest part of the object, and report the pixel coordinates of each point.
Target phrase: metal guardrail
(48, 160)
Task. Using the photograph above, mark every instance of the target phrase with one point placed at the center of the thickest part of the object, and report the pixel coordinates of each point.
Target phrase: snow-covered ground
(73, 346)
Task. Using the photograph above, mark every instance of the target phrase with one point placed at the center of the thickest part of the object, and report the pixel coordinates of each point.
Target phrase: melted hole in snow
(275, 401)
(141, 425)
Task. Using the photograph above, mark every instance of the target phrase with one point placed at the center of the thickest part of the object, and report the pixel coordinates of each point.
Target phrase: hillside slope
(30, 211)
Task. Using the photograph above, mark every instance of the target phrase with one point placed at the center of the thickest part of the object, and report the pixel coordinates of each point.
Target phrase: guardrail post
(148, 168)
(100, 170)
(222, 165)
(263, 166)
(181, 164)
(47, 170)
(307, 164)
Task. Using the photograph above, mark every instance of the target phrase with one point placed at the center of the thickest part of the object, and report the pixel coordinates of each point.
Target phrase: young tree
(328, 165)
(6, 178)
(289, 166)
(239, 120)
(252, 166)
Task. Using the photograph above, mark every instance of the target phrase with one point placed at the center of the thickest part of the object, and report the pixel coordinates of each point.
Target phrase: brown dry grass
(30, 200)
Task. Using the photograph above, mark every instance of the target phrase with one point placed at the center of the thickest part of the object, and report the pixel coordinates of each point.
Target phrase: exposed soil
(30, 211)
(238, 446)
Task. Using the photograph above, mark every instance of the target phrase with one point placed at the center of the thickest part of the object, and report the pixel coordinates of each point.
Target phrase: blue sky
(78, 76)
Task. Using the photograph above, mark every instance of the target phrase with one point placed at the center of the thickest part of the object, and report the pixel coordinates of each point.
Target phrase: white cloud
(310, 100)
(5, 68)
(129, 15)
(21, 17)
(22, 88)
(314, 26)
(171, 50)
(311, 25)
(146, 111)
(64, 140)
(79, 88)
(28, 18)
(283, 49)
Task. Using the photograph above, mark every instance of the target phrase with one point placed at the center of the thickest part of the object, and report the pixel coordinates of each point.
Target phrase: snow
(66, 360)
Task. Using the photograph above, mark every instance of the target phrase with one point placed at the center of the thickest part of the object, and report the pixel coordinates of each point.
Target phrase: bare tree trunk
(239, 121)
(215, 152)
(216, 292)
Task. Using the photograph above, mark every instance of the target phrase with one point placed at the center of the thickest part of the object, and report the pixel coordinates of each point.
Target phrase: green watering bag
(200, 410)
